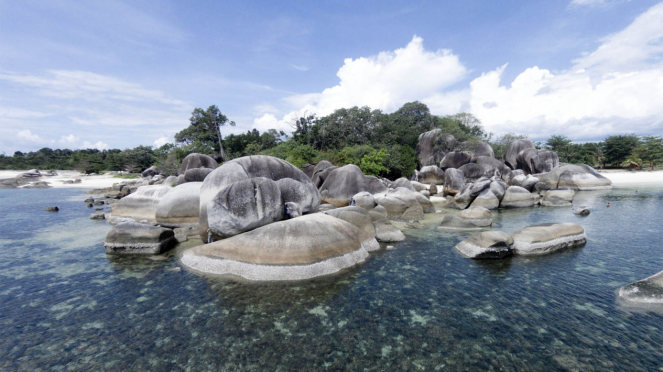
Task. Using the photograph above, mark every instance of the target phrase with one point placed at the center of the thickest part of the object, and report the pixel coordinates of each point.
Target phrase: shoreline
(625, 177)
(87, 181)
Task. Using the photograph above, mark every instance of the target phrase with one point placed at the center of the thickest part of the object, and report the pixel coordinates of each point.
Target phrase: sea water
(66, 305)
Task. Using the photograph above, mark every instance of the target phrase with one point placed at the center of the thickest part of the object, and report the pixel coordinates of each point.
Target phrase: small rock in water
(158, 258)
(89, 200)
(98, 209)
(391, 247)
(52, 209)
(98, 216)
(99, 202)
(581, 211)
(89, 205)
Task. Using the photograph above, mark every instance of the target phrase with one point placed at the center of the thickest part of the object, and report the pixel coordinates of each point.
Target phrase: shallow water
(66, 305)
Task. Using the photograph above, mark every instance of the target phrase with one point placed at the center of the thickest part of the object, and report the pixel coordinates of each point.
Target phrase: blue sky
(117, 74)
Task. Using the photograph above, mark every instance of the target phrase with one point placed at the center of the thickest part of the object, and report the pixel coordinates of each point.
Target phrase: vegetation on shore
(380, 144)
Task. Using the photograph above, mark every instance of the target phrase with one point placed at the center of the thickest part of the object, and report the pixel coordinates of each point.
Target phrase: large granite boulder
(545, 161)
(493, 167)
(170, 181)
(472, 172)
(151, 171)
(138, 238)
(557, 198)
(487, 244)
(321, 171)
(419, 187)
(195, 160)
(250, 167)
(478, 148)
(245, 205)
(498, 189)
(433, 145)
(463, 199)
(575, 176)
(645, 291)
(511, 158)
(364, 200)
(141, 204)
(454, 181)
(431, 174)
(454, 223)
(546, 238)
(385, 232)
(455, 159)
(308, 170)
(196, 174)
(479, 216)
(342, 184)
(518, 197)
(375, 186)
(301, 248)
(180, 207)
(403, 182)
(486, 199)
(394, 207)
(360, 218)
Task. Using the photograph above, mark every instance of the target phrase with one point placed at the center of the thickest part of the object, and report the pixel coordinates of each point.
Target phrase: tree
(618, 148)
(205, 128)
(501, 144)
(372, 164)
(650, 150)
(562, 145)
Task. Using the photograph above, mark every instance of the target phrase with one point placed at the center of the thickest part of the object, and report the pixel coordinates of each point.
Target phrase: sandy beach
(87, 181)
(622, 177)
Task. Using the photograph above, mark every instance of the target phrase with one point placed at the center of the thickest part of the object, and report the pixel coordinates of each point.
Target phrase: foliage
(205, 129)
(372, 163)
(501, 144)
(650, 150)
(618, 148)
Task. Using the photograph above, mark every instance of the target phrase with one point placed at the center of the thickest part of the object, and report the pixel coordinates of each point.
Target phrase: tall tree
(205, 127)
(618, 148)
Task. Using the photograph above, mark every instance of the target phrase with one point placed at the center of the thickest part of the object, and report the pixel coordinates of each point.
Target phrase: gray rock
(98, 216)
(479, 216)
(540, 186)
(403, 182)
(326, 207)
(463, 199)
(301, 248)
(418, 186)
(342, 184)
(581, 211)
(511, 158)
(455, 159)
(478, 148)
(546, 238)
(557, 198)
(518, 197)
(480, 185)
(180, 207)
(364, 200)
(170, 181)
(576, 177)
(529, 182)
(196, 174)
(319, 173)
(385, 232)
(142, 204)
(425, 193)
(245, 168)
(137, 238)
(433, 190)
(433, 145)
(645, 291)
(486, 199)
(375, 186)
(243, 206)
(308, 170)
(455, 223)
(554, 201)
(493, 167)
(431, 174)
(454, 181)
(472, 172)
(52, 209)
(183, 234)
(304, 194)
(89, 205)
(37, 185)
(394, 207)
(375, 216)
(498, 189)
(294, 209)
(194, 160)
(151, 171)
(487, 245)
(358, 217)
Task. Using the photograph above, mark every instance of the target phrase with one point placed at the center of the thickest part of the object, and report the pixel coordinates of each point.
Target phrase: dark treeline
(379, 143)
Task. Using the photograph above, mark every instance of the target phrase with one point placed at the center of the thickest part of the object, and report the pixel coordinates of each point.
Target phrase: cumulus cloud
(385, 81)
(70, 139)
(160, 142)
(99, 145)
(27, 135)
(616, 88)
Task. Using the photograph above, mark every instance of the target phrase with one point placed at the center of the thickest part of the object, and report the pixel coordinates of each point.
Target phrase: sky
(118, 74)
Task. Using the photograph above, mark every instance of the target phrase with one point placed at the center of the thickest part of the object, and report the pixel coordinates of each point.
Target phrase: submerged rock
(138, 238)
(486, 245)
(302, 248)
(546, 238)
(645, 291)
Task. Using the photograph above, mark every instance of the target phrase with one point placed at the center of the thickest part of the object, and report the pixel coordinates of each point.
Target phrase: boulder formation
(138, 238)
(487, 245)
(142, 204)
(301, 248)
(342, 184)
(180, 207)
(645, 291)
(431, 174)
(546, 238)
(195, 160)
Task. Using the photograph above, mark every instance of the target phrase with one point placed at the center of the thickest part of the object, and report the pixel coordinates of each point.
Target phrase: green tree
(372, 164)
(650, 150)
(205, 128)
(562, 145)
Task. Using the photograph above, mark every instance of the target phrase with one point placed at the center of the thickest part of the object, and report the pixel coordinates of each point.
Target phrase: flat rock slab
(138, 238)
(455, 223)
(301, 248)
(487, 245)
(546, 238)
(646, 291)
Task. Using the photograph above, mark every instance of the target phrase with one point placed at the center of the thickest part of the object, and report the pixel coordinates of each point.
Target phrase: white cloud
(27, 135)
(99, 145)
(161, 141)
(385, 81)
(269, 121)
(617, 88)
(70, 139)
(575, 3)
(299, 67)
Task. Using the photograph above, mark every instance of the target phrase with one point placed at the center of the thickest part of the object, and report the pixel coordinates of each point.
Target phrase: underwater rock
(645, 291)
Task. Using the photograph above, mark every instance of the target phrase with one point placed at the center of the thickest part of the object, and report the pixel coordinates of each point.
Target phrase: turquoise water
(65, 305)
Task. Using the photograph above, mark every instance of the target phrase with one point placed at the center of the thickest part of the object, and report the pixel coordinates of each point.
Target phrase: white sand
(87, 182)
(634, 178)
